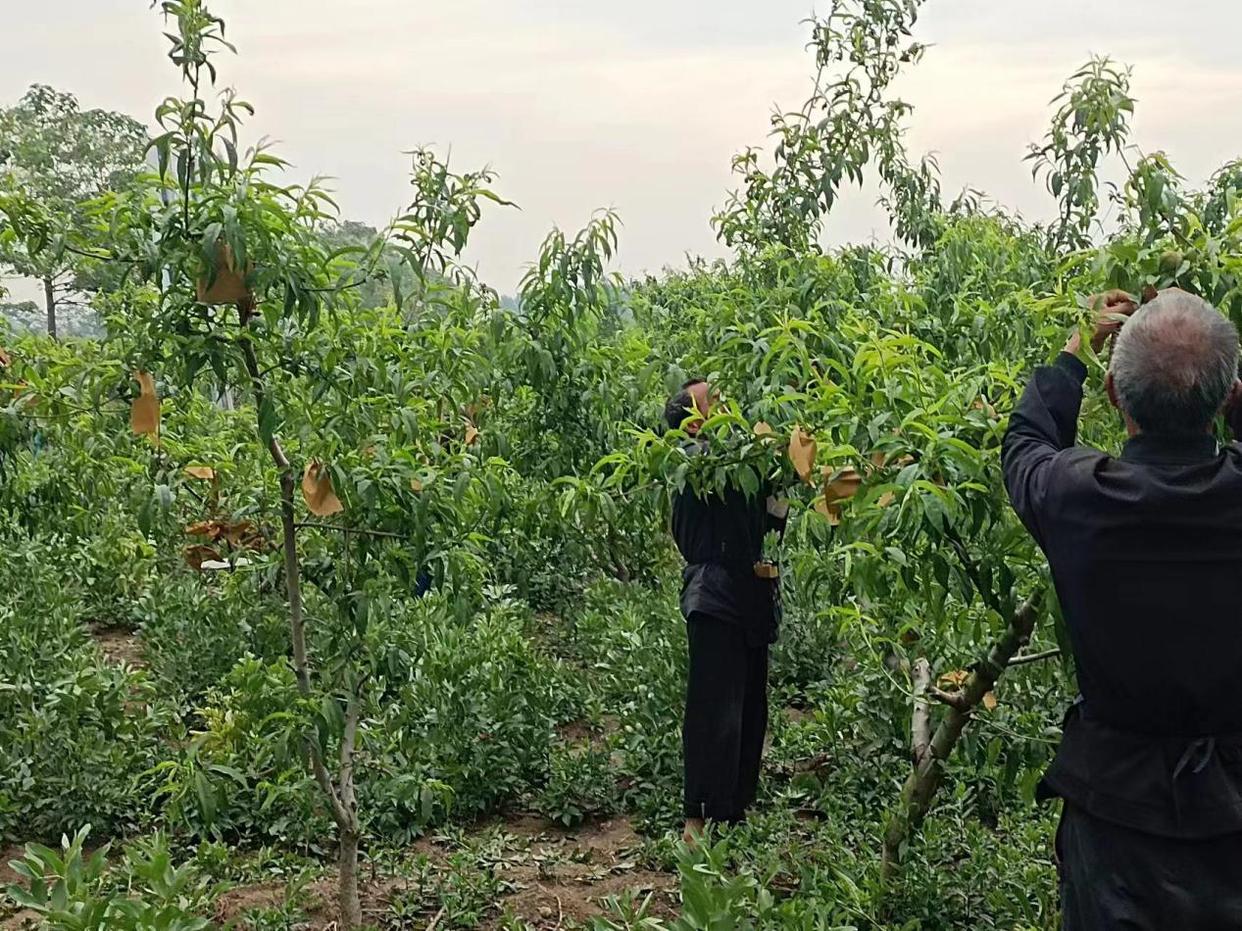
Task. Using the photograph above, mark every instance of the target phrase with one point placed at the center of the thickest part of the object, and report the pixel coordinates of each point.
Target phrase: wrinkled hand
(1112, 309)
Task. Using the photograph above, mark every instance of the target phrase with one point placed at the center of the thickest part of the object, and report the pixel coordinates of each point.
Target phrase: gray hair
(1174, 364)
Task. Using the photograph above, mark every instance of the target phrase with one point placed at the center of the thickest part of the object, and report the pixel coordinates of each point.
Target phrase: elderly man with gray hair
(1146, 555)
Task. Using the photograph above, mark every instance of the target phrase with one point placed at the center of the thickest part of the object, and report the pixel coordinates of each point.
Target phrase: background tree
(377, 290)
(307, 699)
(21, 315)
(59, 156)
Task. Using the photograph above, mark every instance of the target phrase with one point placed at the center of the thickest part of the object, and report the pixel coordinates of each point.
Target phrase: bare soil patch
(7, 856)
(19, 920)
(25, 920)
(120, 646)
(568, 873)
(553, 878)
(235, 903)
(587, 732)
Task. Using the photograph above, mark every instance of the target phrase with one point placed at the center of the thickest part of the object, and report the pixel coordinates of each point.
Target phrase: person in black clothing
(729, 601)
(1146, 555)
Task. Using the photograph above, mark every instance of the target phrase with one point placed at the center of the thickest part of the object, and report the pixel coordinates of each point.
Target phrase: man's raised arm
(1046, 418)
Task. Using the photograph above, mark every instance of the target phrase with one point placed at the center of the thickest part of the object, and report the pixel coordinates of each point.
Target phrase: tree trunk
(340, 796)
(350, 904)
(930, 755)
(49, 301)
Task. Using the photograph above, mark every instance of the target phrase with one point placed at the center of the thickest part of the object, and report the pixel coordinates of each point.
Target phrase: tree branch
(972, 572)
(98, 256)
(1164, 215)
(952, 699)
(353, 711)
(921, 785)
(1034, 657)
(309, 525)
(920, 720)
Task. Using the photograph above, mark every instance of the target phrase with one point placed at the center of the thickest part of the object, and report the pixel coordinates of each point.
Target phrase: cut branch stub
(1034, 657)
(952, 699)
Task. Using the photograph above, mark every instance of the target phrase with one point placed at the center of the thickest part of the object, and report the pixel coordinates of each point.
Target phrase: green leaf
(268, 420)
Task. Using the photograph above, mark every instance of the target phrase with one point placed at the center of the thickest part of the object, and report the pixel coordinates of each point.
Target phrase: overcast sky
(637, 106)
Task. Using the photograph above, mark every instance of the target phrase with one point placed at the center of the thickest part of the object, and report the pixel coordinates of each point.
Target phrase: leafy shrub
(461, 716)
(474, 709)
(75, 730)
(243, 774)
(582, 785)
(195, 631)
(71, 890)
(635, 648)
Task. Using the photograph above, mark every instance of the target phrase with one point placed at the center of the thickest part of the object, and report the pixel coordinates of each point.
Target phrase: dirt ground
(553, 878)
(22, 919)
(601, 864)
(120, 646)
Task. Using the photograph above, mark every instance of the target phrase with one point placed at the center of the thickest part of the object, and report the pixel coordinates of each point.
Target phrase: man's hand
(1111, 308)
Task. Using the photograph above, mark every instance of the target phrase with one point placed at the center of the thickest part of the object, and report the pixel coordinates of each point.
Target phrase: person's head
(1174, 365)
(695, 395)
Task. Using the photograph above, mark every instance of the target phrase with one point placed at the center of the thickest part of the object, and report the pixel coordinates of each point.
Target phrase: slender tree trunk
(49, 301)
(293, 569)
(931, 752)
(342, 801)
(348, 825)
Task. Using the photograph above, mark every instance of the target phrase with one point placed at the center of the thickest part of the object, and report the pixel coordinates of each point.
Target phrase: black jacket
(720, 536)
(1146, 555)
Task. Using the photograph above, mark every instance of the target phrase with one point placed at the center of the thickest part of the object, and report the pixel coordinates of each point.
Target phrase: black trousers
(726, 719)
(1115, 878)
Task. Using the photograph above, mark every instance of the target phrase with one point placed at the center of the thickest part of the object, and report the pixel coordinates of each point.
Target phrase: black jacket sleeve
(1044, 423)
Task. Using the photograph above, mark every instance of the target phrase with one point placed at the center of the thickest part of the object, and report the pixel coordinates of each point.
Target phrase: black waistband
(1173, 786)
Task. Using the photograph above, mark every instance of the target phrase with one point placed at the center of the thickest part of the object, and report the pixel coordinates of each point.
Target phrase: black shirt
(720, 536)
(1146, 556)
